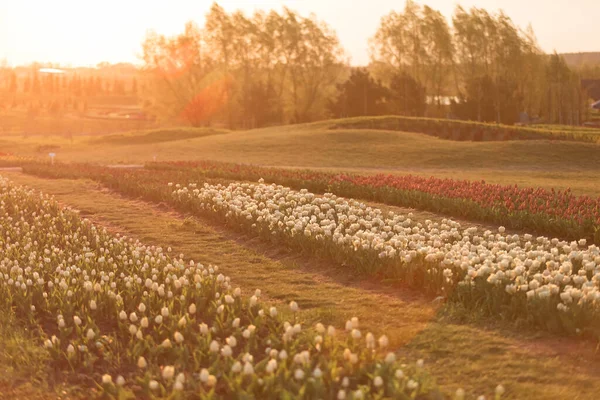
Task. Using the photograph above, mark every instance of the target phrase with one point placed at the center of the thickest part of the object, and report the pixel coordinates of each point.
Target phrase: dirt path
(530, 366)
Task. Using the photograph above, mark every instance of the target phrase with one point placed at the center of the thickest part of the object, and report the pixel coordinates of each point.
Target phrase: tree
(287, 63)
(566, 100)
(437, 53)
(415, 42)
(312, 53)
(360, 95)
(407, 96)
(36, 86)
(398, 40)
(182, 80)
(13, 86)
(27, 84)
(219, 37)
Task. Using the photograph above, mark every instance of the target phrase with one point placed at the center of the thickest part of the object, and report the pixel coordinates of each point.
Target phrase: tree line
(36, 83)
(276, 68)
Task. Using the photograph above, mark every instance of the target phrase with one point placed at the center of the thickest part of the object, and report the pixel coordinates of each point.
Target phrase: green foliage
(244, 71)
(467, 130)
(407, 96)
(360, 95)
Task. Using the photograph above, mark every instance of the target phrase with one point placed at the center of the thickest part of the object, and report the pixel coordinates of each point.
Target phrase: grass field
(548, 164)
(460, 351)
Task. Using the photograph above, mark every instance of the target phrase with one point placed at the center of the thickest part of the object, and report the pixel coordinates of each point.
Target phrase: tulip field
(554, 283)
(549, 212)
(552, 213)
(147, 323)
(144, 322)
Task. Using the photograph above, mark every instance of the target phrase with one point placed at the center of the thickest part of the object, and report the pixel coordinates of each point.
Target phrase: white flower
(248, 369)
(120, 380)
(214, 346)
(390, 358)
(164, 312)
(399, 374)
(93, 305)
(168, 372)
(70, 349)
(273, 312)
(298, 374)
(293, 306)
(192, 309)
(383, 342)
(211, 381)
(142, 307)
(355, 334)
(90, 334)
(348, 325)
(226, 351)
(412, 385)
(106, 379)
(500, 390)
(158, 319)
(122, 315)
(178, 337)
(133, 317)
(378, 381)
(153, 385)
(370, 340)
(271, 366)
(420, 363)
(341, 394)
(203, 329)
(178, 386)
(77, 320)
(204, 375)
(166, 344)
(460, 394)
(317, 373)
(141, 363)
(182, 322)
(231, 341)
(144, 322)
(132, 329)
(236, 368)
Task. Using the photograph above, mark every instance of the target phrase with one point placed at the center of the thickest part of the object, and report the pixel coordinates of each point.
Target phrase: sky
(85, 33)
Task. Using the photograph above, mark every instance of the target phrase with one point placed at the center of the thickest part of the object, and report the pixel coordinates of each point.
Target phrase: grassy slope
(459, 355)
(530, 163)
(156, 136)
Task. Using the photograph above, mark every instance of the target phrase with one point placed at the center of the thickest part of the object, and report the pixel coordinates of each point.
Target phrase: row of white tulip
(553, 282)
(144, 322)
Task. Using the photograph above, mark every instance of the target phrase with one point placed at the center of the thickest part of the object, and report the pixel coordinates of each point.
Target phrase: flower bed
(553, 283)
(144, 322)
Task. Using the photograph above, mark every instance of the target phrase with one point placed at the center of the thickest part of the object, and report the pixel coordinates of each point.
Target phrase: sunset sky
(79, 32)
